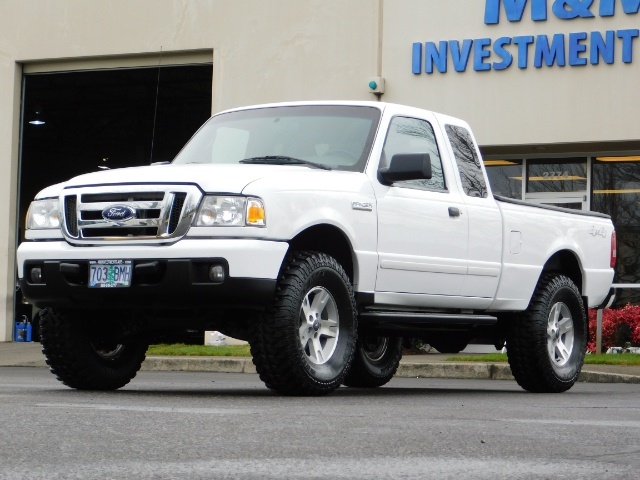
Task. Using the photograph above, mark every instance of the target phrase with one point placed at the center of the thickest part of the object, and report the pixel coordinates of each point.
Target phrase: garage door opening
(81, 121)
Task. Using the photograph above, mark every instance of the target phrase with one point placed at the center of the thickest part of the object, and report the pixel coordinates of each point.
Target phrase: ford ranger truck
(325, 234)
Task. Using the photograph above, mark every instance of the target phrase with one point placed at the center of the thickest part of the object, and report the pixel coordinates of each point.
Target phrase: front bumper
(173, 276)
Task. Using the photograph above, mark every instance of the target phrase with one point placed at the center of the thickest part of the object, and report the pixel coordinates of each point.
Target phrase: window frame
(405, 183)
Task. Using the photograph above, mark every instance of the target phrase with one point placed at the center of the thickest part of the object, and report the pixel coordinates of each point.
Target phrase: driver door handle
(454, 212)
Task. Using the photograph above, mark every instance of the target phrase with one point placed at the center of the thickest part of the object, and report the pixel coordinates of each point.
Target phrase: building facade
(547, 85)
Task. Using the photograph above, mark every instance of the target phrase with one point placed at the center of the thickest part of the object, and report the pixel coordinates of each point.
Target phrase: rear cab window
(467, 160)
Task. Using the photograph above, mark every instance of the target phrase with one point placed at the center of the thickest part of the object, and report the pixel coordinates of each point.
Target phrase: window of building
(411, 135)
(505, 177)
(616, 192)
(468, 162)
(557, 175)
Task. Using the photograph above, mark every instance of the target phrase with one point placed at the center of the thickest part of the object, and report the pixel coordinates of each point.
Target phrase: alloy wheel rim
(319, 325)
(560, 334)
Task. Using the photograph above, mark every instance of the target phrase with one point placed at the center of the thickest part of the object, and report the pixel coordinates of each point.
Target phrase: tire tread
(527, 342)
(278, 361)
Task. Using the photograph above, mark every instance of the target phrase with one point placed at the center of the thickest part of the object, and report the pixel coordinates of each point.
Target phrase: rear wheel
(375, 362)
(305, 342)
(82, 358)
(547, 343)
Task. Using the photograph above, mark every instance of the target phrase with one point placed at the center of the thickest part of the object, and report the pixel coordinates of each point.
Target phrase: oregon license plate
(110, 273)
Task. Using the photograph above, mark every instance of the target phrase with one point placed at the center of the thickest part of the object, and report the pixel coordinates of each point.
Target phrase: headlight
(230, 211)
(43, 214)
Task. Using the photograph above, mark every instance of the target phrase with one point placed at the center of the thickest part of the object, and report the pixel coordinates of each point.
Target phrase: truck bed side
(576, 244)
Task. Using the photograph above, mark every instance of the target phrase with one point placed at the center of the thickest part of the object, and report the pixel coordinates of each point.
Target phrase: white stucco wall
(514, 106)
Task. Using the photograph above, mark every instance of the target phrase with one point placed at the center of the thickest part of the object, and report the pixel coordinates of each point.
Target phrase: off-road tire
(375, 362)
(555, 316)
(281, 350)
(81, 360)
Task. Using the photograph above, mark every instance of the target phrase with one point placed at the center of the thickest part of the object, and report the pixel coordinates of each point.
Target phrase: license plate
(110, 273)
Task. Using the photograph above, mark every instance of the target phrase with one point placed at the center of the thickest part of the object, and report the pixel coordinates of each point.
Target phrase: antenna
(155, 112)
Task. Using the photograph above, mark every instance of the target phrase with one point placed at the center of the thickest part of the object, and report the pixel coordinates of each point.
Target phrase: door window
(411, 135)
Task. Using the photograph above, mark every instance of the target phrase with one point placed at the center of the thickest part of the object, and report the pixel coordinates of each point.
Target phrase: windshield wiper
(283, 160)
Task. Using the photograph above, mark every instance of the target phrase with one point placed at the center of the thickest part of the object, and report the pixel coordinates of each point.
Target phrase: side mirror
(406, 166)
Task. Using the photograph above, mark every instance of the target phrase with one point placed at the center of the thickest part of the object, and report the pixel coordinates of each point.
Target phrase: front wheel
(305, 342)
(375, 362)
(547, 343)
(84, 359)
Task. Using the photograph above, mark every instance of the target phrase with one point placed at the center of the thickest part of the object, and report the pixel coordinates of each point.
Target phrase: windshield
(338, 137)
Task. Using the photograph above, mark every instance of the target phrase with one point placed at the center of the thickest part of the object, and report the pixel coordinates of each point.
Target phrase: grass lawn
(617, 359)
(180, 349)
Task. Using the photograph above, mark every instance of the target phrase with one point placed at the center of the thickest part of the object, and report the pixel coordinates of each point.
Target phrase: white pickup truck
(323, 233)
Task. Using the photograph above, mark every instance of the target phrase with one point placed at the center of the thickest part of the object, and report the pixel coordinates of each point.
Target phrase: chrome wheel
(319, 325)
(560, 334)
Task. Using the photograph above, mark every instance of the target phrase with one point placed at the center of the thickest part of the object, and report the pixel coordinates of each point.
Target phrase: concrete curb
(407, 369)
(461, 370)
(199, 364)
(600, 377)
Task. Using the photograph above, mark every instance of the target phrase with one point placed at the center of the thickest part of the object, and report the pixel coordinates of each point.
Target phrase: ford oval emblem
(118, 213)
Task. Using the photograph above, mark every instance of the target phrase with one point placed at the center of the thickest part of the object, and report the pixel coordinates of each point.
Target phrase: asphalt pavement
(168, 425)
(428, 365)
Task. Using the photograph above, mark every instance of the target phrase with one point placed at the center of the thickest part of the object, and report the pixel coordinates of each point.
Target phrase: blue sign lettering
(416, 65)
(480, 52)
(570, 9)
(608, 7)
(563, 9)
(523, 49)
(549, 53)
(627, 37)
(434, 55)
(575, 49)
(507, 58)
(514, 10)
(460, 56)
(602, 48)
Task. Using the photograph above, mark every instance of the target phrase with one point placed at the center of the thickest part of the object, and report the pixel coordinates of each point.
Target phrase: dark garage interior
(75, 122)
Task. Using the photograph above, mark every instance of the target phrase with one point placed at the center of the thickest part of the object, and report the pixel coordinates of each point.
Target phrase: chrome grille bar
(162, 214)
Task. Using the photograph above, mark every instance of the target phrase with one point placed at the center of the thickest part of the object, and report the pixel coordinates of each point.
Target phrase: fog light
(36, 275)
(216, 273)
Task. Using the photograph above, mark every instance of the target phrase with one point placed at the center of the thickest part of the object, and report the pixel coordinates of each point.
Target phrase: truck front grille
(71, 217)
(176, 210)
(146, 213)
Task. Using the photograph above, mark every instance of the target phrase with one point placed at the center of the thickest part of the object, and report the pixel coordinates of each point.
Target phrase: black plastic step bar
(393, 320)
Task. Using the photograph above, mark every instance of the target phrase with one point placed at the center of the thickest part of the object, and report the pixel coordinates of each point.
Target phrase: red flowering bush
(619, 327)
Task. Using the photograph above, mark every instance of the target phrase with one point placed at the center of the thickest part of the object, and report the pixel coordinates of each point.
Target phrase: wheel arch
(328, 239)
(566, 263)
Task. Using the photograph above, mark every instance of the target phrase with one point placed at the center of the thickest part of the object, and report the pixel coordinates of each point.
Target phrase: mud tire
(287, 356)
(82, 360)
(546, 344)
(375, 362)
